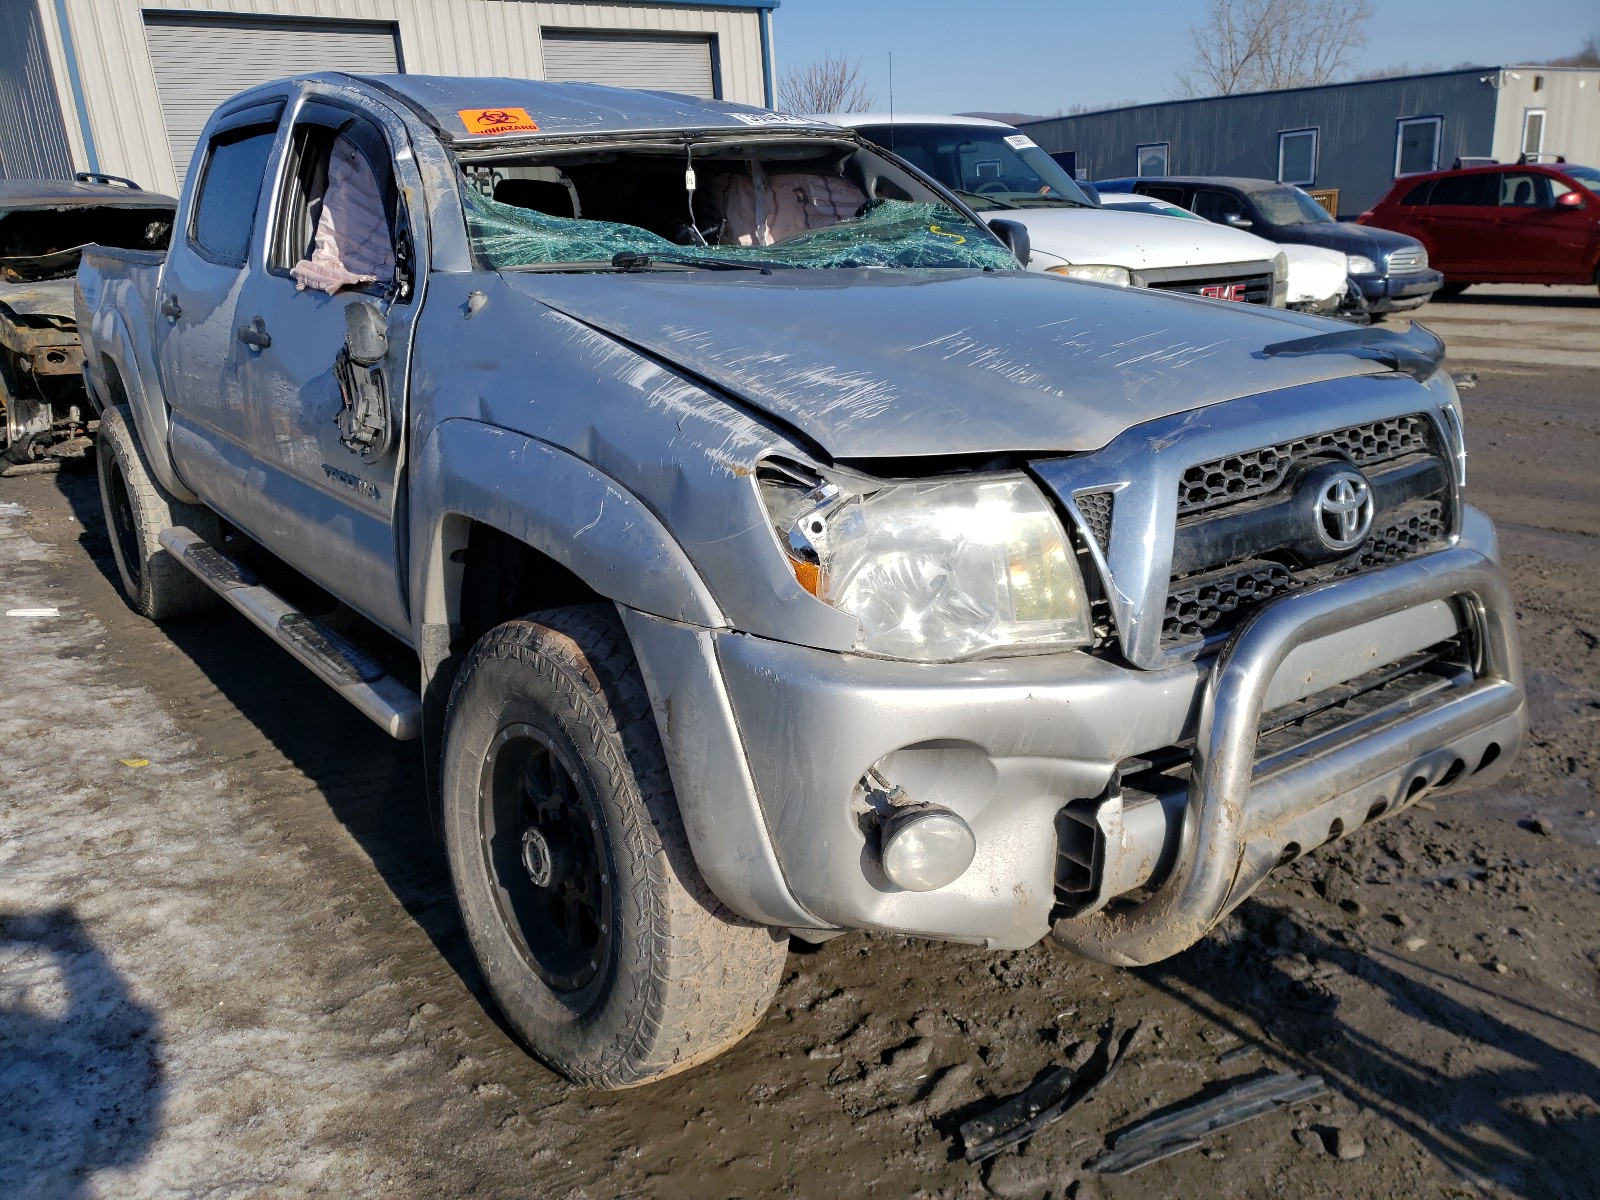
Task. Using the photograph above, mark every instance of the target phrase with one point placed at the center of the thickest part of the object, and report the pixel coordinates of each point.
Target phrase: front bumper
(768, 743)
(1393, 293)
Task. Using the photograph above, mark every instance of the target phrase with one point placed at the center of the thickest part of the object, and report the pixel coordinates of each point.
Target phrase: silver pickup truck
(762, 554)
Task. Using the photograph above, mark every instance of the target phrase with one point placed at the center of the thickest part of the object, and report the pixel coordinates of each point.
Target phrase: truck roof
(536, 107)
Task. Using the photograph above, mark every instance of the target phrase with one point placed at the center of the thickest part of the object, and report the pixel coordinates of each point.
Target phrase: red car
(1529, 223)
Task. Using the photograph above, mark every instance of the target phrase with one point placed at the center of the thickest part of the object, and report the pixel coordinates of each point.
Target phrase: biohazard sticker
(485, 121)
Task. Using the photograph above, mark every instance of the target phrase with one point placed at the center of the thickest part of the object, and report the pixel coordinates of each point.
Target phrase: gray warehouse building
(1356, 137)
(125, 86)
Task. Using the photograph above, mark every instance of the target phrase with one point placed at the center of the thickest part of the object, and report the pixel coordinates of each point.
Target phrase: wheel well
(112, 378)
(502, 579)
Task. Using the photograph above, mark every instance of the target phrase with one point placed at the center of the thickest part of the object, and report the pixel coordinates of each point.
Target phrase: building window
(1152, 159)
(1297, 157)
(1416, 145)
(1533, 133)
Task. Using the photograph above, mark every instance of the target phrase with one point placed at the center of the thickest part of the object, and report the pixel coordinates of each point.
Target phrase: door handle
(255, 334)
(171, 308)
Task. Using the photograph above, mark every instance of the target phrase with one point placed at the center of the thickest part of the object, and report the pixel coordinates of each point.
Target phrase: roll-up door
(200, 62)
(660, 62)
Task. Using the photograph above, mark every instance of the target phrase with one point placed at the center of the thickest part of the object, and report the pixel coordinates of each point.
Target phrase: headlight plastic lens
(937, 572)
(1360, 264)
(1094, 272)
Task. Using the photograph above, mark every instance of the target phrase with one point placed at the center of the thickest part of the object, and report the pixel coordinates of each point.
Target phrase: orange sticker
(498, 120)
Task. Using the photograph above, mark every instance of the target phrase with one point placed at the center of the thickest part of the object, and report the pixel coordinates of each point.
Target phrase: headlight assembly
(935, 571)
(1360, 264)
(1094, 272)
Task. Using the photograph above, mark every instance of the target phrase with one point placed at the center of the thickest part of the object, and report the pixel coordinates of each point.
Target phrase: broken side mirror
(1015, 236)
(366, 424)
(366, 334)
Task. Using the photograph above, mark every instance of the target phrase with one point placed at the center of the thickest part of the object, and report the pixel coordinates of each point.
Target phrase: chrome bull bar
(1231, 836)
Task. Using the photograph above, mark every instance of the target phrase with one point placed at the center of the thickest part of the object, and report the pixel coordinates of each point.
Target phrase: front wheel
(602, 945)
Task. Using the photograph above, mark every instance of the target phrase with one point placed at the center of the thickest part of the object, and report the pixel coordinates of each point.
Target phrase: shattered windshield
(881, 233)
(989, 166)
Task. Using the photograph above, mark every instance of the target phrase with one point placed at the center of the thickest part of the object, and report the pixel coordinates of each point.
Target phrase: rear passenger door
(328, 495)
(200, 284)
(1458, 222)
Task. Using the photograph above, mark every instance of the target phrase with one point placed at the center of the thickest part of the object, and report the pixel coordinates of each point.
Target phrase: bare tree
(1589, 56)
(1259, 45)
(831, 85)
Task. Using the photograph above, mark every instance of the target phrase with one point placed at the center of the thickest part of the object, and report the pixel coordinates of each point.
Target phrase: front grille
(1408, 261)
(1251, 289)
(1095, 509)
(1196, 605)
(1215, 601)
(1256, 472)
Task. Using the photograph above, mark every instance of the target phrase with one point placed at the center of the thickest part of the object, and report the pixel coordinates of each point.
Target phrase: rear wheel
(137, 509)
(599, 940)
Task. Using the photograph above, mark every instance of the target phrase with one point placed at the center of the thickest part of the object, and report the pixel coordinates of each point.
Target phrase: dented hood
(882, 363)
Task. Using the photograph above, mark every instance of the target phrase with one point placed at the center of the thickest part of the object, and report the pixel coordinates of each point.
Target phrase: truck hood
(1132, 239)
(45, 298)
(887, 363)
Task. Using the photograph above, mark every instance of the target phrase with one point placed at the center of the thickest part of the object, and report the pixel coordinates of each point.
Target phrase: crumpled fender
(556, 503)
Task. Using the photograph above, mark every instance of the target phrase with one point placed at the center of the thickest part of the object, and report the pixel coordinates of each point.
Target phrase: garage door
(199, 63)
(662, 62)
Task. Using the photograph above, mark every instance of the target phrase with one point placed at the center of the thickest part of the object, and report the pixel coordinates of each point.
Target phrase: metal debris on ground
(1155, 1138)
(1051, 1098)
(33, 612)
(1248, 1050)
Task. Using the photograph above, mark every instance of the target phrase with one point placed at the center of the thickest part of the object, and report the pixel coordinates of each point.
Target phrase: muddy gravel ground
(230, 965)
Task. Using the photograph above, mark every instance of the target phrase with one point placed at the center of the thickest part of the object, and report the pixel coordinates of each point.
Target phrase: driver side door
(330, 500)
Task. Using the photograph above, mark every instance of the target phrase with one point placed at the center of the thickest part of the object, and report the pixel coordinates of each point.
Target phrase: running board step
(333, 658)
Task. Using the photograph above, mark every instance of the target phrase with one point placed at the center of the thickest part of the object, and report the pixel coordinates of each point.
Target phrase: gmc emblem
(1223, 291)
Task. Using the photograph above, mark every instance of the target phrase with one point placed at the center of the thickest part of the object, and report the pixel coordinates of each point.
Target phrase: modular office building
(125, 86)
(1356, 137)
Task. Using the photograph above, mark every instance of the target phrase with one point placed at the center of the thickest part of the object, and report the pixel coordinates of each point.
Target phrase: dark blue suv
(1389, 270)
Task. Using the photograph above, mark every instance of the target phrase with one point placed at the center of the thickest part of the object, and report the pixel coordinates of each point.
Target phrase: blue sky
(1039, 56)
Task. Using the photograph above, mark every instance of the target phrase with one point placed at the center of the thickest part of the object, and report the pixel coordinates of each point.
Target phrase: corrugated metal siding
(438, 37)
(199, 63)
(1570, 97)
(33, 136)
(665, 62)
(1238, 135)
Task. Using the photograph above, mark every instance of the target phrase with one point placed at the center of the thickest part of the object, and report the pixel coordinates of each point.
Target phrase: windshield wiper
(985, 200)
(629, 260)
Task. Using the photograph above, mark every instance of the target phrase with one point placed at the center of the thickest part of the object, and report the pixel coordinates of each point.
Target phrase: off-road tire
(682, 977)
(137, 509)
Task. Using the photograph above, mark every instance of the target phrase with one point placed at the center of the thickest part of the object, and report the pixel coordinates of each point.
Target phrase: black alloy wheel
(546, 858)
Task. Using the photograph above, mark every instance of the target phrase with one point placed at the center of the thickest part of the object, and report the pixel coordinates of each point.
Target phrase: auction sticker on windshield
(1019, 141)
(483, 121)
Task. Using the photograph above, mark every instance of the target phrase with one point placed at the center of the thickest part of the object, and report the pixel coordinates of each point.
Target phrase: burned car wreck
(44, 227)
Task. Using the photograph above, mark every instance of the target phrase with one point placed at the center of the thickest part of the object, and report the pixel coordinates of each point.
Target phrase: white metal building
(124, 86)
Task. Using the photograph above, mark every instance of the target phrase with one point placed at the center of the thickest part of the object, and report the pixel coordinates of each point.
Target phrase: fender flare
(554, 502)
(141, 391)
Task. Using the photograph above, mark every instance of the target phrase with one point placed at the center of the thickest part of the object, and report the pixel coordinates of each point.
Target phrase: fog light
(924, 847)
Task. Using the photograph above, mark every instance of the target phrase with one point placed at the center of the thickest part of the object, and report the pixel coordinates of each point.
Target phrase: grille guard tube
(1213, 871)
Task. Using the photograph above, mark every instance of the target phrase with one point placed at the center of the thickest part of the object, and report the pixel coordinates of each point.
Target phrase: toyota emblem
(1344, 510)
